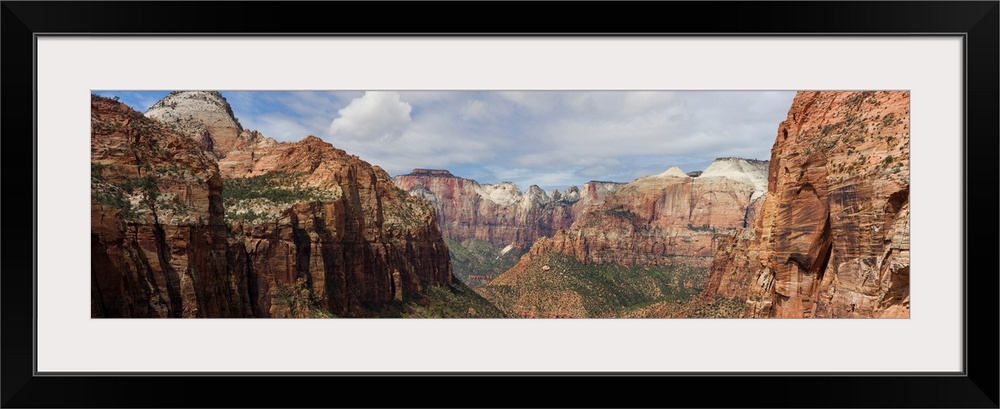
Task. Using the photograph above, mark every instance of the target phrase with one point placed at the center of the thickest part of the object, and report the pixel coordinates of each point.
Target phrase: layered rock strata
(664, 219)
(832, 237)
(499, 213)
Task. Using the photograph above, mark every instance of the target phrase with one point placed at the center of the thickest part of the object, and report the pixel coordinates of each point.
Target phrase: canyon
(652, 238)
(192, 215)
(820, 230)
(488, 227)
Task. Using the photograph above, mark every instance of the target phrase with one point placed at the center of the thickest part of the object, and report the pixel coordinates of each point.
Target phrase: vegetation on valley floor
(453, 300)
(476, 262)
(601, 290)
(697, 307)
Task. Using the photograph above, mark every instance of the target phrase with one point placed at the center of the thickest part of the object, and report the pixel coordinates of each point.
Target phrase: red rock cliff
(158, 241)
(499, 213)
(356, 242)
(663, 219)
(832, 237)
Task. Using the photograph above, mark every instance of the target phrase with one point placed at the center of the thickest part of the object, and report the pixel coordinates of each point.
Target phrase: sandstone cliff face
(158, 241)
(832, 236)
(239, 159)
(285, 230)
(346, 236)
(664, 219)
(500, 214)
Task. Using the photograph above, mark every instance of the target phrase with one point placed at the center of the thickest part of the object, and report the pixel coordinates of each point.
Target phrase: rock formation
(832, 236)
(314, 217)
(662, 219)
(205, 116)
(158, 241)
(499, 213)
(284, 230)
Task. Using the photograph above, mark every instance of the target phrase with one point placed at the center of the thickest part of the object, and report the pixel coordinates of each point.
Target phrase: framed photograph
(200, 165)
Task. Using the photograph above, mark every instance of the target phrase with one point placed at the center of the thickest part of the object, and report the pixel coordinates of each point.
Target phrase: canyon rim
(569, 204)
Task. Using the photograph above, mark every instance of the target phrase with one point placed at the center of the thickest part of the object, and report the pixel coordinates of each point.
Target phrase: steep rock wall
(158, 241)
(832, 237)
(284, 230)
(357, 244)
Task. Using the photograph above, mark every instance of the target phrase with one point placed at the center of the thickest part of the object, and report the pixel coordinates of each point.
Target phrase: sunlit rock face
(203, 115)
(832, 236)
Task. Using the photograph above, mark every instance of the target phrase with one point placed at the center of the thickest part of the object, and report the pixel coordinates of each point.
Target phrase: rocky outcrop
(204, 116)
(499, 213)
(158, 241)
(832, 236)
(240, 158)
(331, 225)
(440, 173)
(664, 219)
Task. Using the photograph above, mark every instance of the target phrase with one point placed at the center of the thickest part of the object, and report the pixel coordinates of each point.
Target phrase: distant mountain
(499, 213)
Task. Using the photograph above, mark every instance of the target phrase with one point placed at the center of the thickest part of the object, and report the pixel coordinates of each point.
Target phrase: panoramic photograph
(500, 204)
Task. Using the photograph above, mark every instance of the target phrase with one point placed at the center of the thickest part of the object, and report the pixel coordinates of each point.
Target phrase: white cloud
(377, 115)
(535, 103)
(425, 97)
(287, 115)
(474, 109)
(436, 138)
(642, 101)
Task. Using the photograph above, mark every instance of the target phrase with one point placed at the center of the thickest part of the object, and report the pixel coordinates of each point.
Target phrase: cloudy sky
(554, 139)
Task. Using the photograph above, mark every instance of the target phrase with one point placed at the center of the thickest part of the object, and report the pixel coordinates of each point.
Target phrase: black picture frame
(976, 386)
